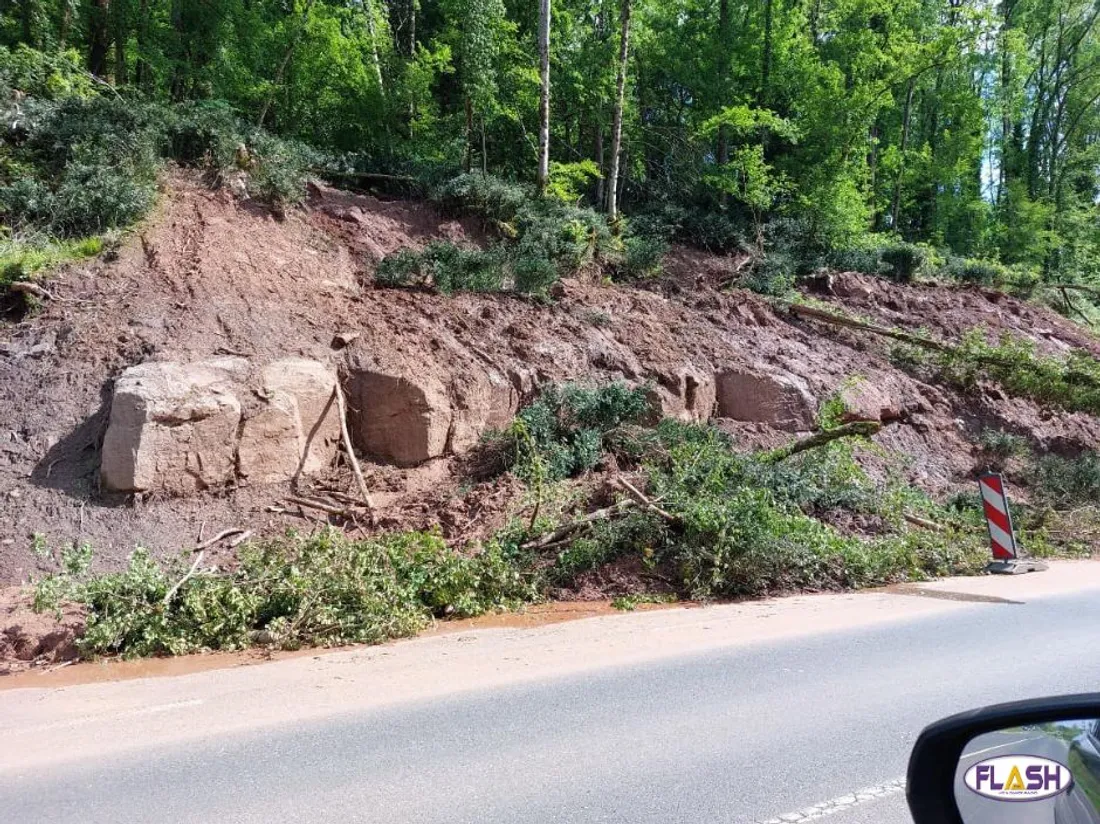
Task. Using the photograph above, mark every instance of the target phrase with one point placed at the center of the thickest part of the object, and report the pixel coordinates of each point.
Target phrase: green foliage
(1071, 383)
(1067, 482)
(1002, 445)
(443, 266)
(563, 432)
(323, 589)
(569, 181)
(905, 260)
(643, 256)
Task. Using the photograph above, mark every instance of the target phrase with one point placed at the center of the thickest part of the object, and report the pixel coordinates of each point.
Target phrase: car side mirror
(1029, 761)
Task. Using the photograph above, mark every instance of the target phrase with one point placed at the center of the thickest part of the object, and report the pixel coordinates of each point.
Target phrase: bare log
(863, 429)
(923, 523)
(190, 573)
(644, 501)
(814, 313)
(225, 533)
(342, 408)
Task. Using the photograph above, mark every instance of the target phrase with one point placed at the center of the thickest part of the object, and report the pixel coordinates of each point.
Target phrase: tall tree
(617, 117)
(544, 96)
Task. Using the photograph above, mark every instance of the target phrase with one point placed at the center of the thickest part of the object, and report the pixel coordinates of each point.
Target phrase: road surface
(745, 713)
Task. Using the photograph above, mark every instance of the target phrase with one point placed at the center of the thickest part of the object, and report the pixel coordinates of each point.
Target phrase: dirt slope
(208, 275)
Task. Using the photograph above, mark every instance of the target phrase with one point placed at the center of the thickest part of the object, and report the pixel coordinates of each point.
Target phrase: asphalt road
(740, 734)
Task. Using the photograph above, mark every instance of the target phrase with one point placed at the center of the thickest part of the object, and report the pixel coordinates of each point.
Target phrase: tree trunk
(725, 44)
(141, 64)
(468, 163)
(895, 202)
(599, 158)
(97, 38)
(617, 118)
(119, 36)
(766, 56)
(368, 11)
(284, 63)
(403, 26)
(26, 14)
(65, 23)
(544, 96)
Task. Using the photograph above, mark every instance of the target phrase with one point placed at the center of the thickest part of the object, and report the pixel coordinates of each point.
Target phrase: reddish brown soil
(208, 275)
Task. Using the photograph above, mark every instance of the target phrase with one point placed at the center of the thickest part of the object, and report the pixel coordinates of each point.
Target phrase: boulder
(864, 401)
(687, 395)
(172, 427)
(312, 385)
(780, 400)
(270, 448)
(483, 401)
(398, 417)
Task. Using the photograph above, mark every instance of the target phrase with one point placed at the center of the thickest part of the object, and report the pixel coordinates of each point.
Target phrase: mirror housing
(930, 784)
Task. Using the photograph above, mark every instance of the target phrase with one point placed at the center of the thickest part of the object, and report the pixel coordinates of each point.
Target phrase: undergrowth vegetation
(1013, 363)
(685, 509)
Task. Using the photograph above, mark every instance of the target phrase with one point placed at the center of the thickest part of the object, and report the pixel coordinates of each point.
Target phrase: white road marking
(840, 804)
(91, 719)
(999, 746)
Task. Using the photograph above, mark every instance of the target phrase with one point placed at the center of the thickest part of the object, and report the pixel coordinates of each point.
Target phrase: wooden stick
(240, 539)
(28, 288)
(840, 320)
(557, 536)
(923, 523)
(644, 501)
(855, 429)
(225, 533)
(323, 507)
(175, 587)
(342, 409)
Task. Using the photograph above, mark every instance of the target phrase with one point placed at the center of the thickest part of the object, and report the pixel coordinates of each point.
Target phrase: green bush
(1067, 482)
(905, 261)
(324, 589)
(563, 432)
(977, 272)
(533, 275)
(643, 255)
(445, 267)
(485, 196)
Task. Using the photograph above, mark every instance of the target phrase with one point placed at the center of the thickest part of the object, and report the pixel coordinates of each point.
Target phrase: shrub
(643, 255)
(444, 266)
(976, 272)
(563, 432)
(774, 274)
(1067, 482)
(1000, 444)
(533, 275)
(485, 196)
(905, 261)
(323, 589)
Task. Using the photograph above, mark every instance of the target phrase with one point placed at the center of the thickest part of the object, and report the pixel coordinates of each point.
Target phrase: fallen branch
(27, 288)
(1092, 290)
(225, 533)
(923, 523)
(240, 539)
(365, 176)
(863, 429)
(190, 573)
(841, 320)
(342, 409)
(644, 501)
(320, 505)
(579, 525)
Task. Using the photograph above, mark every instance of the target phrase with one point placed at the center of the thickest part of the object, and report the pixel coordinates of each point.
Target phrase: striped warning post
(997, 518)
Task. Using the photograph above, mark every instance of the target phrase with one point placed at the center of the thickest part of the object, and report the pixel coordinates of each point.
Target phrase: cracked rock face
(183, 428)
(172, 428)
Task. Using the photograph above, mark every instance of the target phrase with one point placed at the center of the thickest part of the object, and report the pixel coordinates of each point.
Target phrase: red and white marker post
(1002, 538)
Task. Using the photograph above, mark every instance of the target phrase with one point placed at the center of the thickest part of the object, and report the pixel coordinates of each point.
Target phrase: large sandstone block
(400, 418)
(779, 400)
(297, 431)
(172, 427)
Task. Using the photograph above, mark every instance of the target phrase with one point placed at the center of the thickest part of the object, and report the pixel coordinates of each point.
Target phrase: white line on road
(89, 719)
(840, 804)
(999, 746)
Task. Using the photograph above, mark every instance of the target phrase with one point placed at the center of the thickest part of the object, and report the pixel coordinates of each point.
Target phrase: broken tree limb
(923, 523)
(240, 539)
(27, 288)
(190, 574)
(225, 533)
(579, 525)
(644, 501)
(342, 409)
(320, 505)
(863, 429)
(813, 313)
(1077, 287)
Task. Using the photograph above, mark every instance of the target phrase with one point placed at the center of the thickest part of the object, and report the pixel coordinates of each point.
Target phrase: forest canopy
(858, 133)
